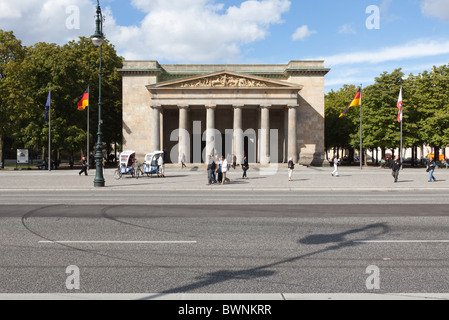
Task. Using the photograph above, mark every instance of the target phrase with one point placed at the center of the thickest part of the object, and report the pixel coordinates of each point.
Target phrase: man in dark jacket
(211, 166)
(396, 167)
(83, 166)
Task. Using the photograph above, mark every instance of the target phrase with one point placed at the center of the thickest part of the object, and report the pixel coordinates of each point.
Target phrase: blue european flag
(47, 105)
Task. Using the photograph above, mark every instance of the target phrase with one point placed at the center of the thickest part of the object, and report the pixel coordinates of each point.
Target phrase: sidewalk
(264, 178)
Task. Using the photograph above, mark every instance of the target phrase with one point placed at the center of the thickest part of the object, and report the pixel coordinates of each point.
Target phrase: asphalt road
(224, 242)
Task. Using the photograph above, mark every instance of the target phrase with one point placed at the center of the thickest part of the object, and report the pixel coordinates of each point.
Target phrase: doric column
(292, 133)
(184, 137)
(238, 134)
(156, 128)
(285, 140)
(265, 134)
(210, 129)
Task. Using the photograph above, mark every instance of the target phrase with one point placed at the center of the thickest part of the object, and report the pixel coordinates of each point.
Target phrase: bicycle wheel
(117, 175)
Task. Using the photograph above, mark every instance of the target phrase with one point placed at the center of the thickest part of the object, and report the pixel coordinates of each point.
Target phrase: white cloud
(198, 30)
(412, 50)
(172, 30)
(436, 8)
(48, 21)
(302, 33)
(347, 29)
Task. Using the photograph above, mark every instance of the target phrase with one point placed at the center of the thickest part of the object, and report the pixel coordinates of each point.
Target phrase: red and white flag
(400, 106)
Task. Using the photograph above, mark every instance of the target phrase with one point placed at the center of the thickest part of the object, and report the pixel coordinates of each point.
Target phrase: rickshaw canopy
(149, 157)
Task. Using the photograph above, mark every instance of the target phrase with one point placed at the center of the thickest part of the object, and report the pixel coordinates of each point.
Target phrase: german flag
(356, 102)
(83, 101)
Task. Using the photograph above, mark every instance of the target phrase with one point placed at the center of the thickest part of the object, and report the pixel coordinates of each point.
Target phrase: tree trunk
(2, 162)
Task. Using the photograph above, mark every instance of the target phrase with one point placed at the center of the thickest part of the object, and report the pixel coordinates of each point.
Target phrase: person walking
(83, 166)
(291, 167)
(396, 168)
(224, 170)
(219, 171)
(183, 161)
(336, 162)
(245, 167)
(431, 169)
(210, 170)
(161, 165)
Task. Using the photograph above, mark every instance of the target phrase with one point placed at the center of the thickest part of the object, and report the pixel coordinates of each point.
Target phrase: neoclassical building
(269, 113)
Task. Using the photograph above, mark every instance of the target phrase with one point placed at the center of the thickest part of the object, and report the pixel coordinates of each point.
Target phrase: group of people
(396, 166)
(217, 169)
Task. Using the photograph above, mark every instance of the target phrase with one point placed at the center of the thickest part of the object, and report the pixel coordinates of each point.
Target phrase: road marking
(404, 241)
(118, 242)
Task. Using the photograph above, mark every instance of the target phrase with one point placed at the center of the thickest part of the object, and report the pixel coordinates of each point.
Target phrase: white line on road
(404, 241)
(118, 242)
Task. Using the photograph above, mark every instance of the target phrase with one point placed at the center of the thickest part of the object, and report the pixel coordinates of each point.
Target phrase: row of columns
(238, 143)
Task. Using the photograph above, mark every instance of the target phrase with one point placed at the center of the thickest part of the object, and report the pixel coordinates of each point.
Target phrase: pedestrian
(210, 170)
(183, 161)
(245, 167)
(431, 169)
(396, 167)
(219, 171)
(83, 166)
(291, 167)
(71, 162)
(234, 161)
(161, 165)
(336, 163)
(224, 170)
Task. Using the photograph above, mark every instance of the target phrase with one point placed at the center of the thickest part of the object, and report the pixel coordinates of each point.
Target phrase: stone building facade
(268, 112)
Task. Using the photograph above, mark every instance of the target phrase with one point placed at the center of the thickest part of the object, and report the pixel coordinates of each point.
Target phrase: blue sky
(412, 34)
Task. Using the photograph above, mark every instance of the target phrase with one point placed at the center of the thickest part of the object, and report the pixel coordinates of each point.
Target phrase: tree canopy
(28, 73)
(426, 112)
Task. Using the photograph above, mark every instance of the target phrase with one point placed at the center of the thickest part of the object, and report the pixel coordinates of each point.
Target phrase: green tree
(338, 131)
(432, 97)
(381, 128)
(68, 70)
(11, 50)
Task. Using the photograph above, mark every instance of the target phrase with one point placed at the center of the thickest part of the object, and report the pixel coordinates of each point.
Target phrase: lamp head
(98, 37)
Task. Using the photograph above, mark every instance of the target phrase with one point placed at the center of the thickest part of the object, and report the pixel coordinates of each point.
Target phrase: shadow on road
(338, 241)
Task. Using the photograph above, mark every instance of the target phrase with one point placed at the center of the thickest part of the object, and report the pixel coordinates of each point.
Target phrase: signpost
(23, 157)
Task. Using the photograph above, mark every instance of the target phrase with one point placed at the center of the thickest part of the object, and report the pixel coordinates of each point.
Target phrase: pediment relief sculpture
(224, 80)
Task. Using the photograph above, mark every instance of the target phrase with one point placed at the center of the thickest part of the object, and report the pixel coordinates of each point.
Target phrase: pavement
(259, 178)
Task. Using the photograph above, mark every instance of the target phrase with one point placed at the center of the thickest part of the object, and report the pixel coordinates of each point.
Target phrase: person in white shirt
(161, 167)
(224, 170)
(336, 164)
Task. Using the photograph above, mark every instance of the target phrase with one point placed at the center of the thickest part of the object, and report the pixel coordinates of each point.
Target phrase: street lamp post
(98, 39)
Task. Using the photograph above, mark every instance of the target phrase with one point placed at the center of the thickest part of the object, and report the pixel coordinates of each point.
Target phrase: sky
(357, 39)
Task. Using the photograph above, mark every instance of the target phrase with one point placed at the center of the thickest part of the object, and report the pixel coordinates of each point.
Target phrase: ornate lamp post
(98, 39)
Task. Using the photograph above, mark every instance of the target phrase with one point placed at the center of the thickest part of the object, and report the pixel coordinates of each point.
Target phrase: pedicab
(126, 165)
(150, 166)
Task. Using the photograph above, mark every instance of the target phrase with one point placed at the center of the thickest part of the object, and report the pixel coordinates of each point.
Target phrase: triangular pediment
(225, 79)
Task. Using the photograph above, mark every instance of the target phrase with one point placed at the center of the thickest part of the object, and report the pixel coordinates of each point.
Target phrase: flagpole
(88, 123)
(361, 129)
(402, 120)
(49, 133)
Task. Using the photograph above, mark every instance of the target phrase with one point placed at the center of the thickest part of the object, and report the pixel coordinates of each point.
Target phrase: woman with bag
(431, 169)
